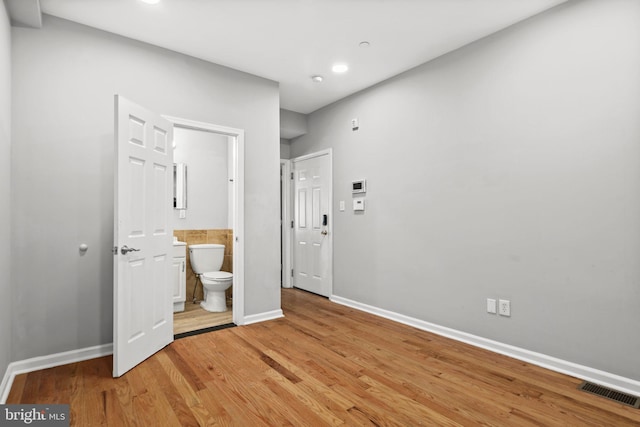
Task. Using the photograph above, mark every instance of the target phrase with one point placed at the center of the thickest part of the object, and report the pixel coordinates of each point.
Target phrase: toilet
(206, 260)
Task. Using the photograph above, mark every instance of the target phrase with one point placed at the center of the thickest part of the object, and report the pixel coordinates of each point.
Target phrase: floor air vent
(624, 398)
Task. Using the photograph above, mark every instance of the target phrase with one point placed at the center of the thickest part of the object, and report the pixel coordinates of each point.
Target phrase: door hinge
(183, 264)
(115, 250)
(291, 224)
(291, 175)
(292, 272)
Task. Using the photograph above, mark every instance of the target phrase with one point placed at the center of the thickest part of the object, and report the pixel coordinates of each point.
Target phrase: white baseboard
(44, 362)
(586, 373)
(261, 317)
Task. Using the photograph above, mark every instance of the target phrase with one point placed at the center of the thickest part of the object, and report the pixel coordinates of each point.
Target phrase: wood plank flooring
(195, 317)
(321, 365)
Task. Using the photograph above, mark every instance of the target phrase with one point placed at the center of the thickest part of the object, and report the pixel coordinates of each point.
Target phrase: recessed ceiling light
(317, 79)
(364, 44)
(150, 1)
(340, 68)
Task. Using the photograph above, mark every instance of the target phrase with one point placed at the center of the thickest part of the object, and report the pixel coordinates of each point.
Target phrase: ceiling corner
(25, 13)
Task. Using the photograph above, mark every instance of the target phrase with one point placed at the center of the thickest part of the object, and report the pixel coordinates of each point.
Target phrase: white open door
(312, 252)
(143, 235)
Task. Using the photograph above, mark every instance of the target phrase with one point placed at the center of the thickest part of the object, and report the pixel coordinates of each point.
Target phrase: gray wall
(6, 306)
(206, 157)
(292, 124)
(285, 148)
(65, 76)
(507, 169)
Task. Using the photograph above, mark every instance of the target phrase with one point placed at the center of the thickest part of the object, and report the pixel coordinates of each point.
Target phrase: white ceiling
(291, 40)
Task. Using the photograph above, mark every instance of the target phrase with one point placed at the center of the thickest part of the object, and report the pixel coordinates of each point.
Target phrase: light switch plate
(491, 306)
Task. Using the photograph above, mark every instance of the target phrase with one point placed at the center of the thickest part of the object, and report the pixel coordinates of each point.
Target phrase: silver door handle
(324, 232)
(125, 249)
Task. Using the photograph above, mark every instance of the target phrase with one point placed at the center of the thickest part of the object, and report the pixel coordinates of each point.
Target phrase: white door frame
(328, 152)
(237, 203)
(286, 218)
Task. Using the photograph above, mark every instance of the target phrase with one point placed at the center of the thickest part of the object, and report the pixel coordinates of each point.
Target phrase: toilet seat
(219, 276)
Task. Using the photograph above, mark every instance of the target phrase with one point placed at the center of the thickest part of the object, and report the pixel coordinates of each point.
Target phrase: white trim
(237, 143)
(287, 235)
(312, 155)
(238, 229)
(261, 317)
(617, 382)
(44, 362)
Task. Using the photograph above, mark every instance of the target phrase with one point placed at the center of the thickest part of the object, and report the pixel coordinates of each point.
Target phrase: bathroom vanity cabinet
(179, 275)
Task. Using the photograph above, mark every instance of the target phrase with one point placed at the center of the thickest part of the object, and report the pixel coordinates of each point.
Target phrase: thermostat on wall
(359, 186)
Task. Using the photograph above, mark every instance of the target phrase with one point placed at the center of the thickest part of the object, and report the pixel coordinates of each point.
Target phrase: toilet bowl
(215, 283)
(206, 260)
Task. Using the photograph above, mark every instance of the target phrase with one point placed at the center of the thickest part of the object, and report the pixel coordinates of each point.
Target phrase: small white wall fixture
(236, 203)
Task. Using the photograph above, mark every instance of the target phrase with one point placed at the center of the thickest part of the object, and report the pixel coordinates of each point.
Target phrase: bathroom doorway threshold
(194, 317)
(203, 331)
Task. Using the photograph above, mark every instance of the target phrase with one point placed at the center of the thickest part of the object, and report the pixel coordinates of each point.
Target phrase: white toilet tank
(206, 257)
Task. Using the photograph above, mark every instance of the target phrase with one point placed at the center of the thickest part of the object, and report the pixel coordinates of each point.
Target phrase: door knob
(125, 250)
(324, 232)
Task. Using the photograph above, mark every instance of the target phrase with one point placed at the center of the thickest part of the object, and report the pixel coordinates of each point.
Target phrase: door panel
(136, 209)
(302, 208)
(312, 266)
(160, 280)
(159, 213)
(143, 307)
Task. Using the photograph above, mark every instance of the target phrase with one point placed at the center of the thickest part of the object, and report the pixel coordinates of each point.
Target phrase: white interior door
(143, 234)
(312, 253)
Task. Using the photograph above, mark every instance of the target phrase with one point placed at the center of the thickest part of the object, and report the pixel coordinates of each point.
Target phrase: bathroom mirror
(179, 186)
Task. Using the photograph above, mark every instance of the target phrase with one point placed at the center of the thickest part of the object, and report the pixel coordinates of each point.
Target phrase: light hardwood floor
(195, 317)
(322, 364)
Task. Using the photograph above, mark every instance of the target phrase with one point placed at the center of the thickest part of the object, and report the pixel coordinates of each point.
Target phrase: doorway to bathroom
(143, 229)
(206, 156)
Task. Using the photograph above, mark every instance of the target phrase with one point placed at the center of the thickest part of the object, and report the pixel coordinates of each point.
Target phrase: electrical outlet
(491, 306)
(504, 305)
